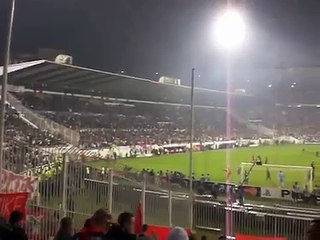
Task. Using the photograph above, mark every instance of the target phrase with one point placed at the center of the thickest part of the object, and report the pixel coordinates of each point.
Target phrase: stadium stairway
(68, 135)
(257, 128)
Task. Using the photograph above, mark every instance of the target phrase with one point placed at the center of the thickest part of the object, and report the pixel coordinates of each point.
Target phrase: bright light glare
(230, 29)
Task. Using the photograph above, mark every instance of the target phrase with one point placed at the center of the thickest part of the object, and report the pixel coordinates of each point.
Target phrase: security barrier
(68, 187)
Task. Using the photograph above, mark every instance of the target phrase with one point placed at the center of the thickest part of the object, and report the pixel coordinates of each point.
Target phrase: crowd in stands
(103, 123)
(19, 128)
(23, 141)
(128, 128)
(299, 122)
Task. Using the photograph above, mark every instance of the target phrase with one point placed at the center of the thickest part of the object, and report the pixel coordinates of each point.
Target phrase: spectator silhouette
(97, 228)
(4, 228)
(192, 236)
(87, 223)
(314, 230)
(124, 230)
(16, 230)
(143, 235)
(178, 233)
(66, 229)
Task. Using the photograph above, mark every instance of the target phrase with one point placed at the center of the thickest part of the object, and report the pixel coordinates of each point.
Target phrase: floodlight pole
(191, 148)
(4, 87)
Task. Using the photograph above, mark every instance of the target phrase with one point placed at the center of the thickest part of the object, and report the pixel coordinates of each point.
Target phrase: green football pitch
(214, 163)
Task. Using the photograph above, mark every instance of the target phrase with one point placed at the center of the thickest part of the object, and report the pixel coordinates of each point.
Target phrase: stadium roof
(51, 76)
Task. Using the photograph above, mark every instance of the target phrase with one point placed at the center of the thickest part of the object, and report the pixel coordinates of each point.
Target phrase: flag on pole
(138, 220)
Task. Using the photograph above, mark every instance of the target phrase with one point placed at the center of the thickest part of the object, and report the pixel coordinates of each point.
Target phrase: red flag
(12, 201)
(138, 220)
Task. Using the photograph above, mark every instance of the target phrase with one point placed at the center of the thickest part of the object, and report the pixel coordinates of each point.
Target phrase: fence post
(64, 184)
(20, 162)
(170, 205)
(191, 209)
(275, 227)
(143, 198)
(110, 190)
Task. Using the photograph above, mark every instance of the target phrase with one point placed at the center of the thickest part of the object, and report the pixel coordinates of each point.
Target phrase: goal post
(301, 174)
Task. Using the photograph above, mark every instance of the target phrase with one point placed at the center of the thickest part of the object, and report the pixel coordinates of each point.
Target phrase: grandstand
(102, 139)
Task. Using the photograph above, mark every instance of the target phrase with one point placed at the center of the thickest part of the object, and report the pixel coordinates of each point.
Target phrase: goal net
(273, 175)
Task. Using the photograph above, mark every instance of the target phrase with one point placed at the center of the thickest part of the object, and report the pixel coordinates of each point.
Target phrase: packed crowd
(99, 227)
(19, 128)
(103, 123)
(299, 122)
(129, 128)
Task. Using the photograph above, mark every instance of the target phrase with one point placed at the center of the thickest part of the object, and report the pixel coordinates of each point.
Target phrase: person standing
(214, 191)
(306, 194)
(281, 178)
(268, 177)
(178, 233)
(239, 171)
(98, 227)
(313, 232)
(143, 235)
(16, 230)
(65, 231)
(124, 230)
(313, 169)
(295, 192)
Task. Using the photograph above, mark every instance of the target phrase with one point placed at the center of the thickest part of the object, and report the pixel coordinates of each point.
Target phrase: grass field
(214, 163)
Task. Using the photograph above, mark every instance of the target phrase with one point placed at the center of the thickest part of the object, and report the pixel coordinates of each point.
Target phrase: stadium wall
(123, 151)
(276, 193)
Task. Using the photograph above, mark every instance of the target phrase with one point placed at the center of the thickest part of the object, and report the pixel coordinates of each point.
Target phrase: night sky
(143, 37)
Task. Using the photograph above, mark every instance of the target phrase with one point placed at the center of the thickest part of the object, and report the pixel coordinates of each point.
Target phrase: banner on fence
(276, 193)
(248, 237)
(12, 201)
(13, 183)
(252, 191)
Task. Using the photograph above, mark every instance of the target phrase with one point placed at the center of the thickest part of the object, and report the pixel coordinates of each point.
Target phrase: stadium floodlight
(230, 29)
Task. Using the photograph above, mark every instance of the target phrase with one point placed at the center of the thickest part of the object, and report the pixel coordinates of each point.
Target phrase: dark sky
(166, 36)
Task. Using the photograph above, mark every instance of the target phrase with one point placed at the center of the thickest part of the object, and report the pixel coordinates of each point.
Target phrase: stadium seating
(38, 152)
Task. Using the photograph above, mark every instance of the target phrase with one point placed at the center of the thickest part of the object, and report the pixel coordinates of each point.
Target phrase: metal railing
(68, 187)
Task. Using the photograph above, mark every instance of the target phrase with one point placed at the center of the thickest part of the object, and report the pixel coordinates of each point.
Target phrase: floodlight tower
(230, 34)
(4, 86)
